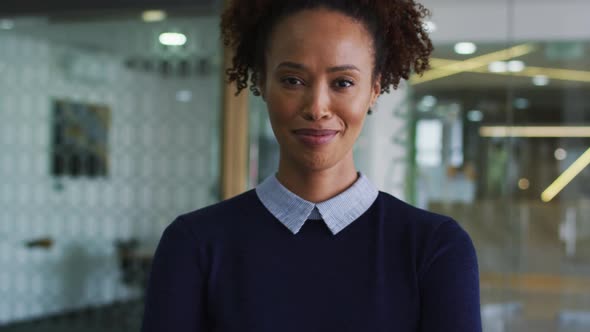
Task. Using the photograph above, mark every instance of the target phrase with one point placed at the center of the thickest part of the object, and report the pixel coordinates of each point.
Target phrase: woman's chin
(315, 161)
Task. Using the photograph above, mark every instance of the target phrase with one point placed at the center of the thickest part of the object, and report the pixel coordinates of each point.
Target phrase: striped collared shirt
(337, 212)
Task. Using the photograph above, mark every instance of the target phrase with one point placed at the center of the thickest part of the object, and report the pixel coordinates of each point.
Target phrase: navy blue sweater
(233, 267)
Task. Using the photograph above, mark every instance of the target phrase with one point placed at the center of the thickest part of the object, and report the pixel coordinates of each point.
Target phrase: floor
(119, 317)
(126, 317)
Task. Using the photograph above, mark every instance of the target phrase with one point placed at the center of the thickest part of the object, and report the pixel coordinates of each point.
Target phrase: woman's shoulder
(424, 224)
(225, 207)
(394, 206)
(431, 234)
(219, 215)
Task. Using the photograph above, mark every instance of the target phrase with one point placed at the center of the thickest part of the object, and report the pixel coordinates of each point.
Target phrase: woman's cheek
(283, 106)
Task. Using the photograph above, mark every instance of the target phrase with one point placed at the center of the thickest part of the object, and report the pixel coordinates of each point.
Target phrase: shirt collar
(337, 212)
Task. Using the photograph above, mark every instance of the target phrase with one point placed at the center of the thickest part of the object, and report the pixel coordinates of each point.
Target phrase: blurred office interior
(114, 119)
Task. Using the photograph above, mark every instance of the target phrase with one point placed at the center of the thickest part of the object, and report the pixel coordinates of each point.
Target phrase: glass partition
(109, 129)
(510, 160)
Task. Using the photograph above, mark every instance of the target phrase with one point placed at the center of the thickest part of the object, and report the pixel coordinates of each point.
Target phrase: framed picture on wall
(79, 139)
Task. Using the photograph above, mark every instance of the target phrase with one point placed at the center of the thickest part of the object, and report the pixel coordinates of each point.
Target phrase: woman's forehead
(319, 22)
(320, 36)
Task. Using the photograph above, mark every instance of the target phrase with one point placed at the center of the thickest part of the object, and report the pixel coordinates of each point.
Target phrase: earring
(370, 111)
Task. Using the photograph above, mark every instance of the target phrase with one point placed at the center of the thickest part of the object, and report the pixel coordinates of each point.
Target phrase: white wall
(162, 163)
(382, 150)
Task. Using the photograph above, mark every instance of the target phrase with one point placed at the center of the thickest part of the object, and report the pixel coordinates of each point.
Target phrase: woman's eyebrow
(343, 68)
(299, 66)
(292, 65)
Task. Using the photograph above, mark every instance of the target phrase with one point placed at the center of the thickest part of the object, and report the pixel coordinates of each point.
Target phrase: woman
(317, 247)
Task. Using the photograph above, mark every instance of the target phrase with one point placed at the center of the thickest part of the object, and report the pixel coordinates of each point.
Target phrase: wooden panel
(234, 138)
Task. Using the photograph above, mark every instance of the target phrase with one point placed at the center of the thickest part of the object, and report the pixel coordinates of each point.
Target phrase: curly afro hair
(401, 42)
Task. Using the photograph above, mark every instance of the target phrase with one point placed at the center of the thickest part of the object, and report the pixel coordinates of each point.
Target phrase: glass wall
(109, 129)
(502, 144)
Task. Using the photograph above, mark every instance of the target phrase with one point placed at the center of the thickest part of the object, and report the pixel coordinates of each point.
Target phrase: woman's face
(318, 86)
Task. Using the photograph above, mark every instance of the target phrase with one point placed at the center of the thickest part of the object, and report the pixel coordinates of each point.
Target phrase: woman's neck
(317, 185)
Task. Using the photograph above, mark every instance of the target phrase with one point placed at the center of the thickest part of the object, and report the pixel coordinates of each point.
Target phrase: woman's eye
(344, 83)
(292, 81)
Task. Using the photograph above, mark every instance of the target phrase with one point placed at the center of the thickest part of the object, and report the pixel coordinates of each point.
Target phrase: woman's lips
(315, 137)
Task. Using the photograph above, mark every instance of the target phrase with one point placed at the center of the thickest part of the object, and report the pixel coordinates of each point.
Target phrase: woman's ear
(376, 90)
(261, 86)
(262, 94)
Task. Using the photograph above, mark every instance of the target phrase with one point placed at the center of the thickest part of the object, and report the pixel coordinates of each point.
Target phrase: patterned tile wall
(162, 162)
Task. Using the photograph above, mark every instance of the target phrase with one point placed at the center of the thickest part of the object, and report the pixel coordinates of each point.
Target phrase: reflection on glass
(106, 135)
(519, 185)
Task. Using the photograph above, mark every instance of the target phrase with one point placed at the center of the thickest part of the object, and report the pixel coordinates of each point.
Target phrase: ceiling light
(524, 184)
(429, 101)
(540, 80)
(449, 67)
(521, 103)
(6, 24)
(560, 154)
(429, 26)
(153, 15)
(515, 66)
(534, 131)
(550, 73)
(172, 39)
(184, 96)
(566, 177)
(560, 74)
(465, 48)
(498, 67)
(475, 115)
(426, 103)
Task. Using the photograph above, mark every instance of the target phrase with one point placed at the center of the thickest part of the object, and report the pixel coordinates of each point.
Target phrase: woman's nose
(317, 105)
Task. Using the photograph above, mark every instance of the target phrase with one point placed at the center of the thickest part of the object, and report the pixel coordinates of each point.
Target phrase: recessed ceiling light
(498, 67)
(465, 48)
(540, 80)
(524, 184)
(475, 115)
(153, 15)
(426, 103)
(429, 26)
(560, 154)
(429, 101)
(521, 103)
(172, 39)
(515, 66)
(184, 96)
(6, 24)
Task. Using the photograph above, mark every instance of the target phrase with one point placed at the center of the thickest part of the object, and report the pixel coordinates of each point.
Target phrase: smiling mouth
(315, 137)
